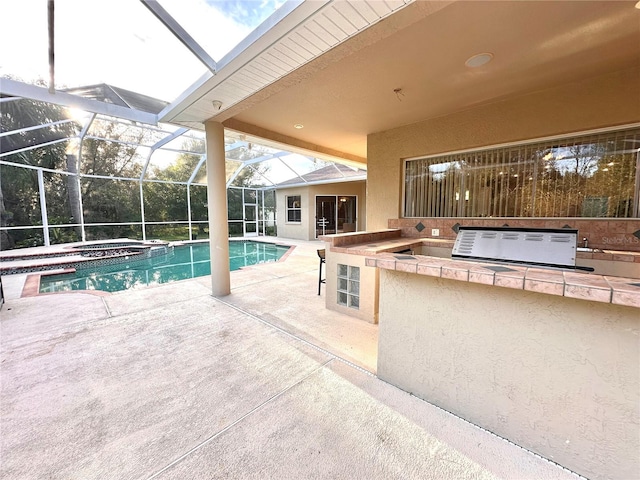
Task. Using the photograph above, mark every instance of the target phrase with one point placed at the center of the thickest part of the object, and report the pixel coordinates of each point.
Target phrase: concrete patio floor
(169, 382)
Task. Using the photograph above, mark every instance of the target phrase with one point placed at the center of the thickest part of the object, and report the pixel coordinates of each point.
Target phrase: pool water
(186, 261)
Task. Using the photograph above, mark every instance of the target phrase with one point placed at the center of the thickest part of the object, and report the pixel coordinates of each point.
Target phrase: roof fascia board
(274, 28)
(34, 92)
(186, 98)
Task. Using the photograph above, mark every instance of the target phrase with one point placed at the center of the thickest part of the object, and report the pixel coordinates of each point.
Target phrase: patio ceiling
(342, 94)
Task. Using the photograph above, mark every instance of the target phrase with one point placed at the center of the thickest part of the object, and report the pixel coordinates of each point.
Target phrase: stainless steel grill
(542, 247)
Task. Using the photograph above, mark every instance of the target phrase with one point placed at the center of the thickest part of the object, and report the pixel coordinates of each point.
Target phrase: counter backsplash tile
(606, 234)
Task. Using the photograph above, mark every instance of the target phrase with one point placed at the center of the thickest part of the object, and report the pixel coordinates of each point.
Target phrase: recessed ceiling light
(479, 60)
(298, 126)
(638, 5)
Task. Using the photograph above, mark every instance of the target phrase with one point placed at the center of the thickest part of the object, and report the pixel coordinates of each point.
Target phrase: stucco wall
(306, 229)
(293, 230)
(558, 376)
(368, 309)
(593, 103)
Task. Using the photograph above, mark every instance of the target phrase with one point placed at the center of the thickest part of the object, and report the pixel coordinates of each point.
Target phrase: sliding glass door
(336, 214)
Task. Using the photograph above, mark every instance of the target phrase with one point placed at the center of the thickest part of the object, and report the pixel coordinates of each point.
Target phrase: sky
(120, 42)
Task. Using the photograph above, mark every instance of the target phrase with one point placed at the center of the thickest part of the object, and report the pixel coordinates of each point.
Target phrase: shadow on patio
(169, 382)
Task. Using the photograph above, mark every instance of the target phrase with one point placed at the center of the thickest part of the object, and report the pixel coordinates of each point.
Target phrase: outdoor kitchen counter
(584, 286)
(365, 243)
(545, 358)
(381, 246)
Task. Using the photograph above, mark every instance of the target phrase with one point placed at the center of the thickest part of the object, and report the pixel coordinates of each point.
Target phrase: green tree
(19, 194)
(251, 174)
(112, 200)
(167, 202)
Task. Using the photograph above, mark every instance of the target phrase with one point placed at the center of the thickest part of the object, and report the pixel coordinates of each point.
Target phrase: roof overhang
(386, 70)
(296, 34)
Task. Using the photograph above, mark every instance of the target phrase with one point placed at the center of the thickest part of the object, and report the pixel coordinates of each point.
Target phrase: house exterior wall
(368, 308)
(594, 103)
(556, 375)
(285, 229)
(305, 230)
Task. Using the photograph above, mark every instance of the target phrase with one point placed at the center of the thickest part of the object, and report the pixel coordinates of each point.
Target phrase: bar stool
(320, 279)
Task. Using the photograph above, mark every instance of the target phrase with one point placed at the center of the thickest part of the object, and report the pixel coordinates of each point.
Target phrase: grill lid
(529, 246)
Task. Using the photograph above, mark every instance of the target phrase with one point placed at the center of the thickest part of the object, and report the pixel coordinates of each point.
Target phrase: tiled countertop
(379, 246)
(597, 288)
(389, 240)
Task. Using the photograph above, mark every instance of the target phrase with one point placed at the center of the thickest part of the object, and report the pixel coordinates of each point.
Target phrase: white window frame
(604, 130)
(293, 209)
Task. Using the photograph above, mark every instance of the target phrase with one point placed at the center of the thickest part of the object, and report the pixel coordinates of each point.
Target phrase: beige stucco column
(217, 207)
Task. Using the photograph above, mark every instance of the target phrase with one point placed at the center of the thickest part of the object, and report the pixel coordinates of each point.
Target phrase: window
(349, 286)
(294, 214)
(583, 176)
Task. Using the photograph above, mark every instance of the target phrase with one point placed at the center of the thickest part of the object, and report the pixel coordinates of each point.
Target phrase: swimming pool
(182, 262)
